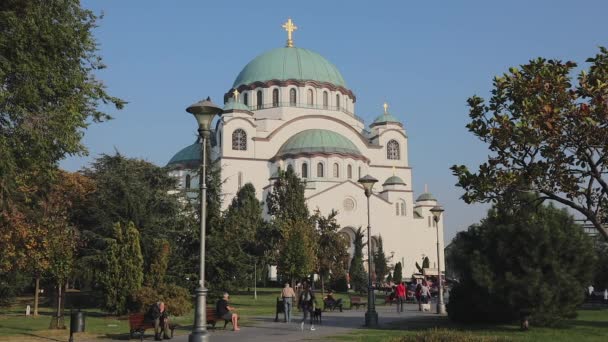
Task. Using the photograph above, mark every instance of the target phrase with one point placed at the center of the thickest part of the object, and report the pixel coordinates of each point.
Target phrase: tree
(286, 201)
(358, 276)
(155, 278)
(521, 261)
(298, 250)
(49, 91)
(426, 263)
(545, 135)
(397, 273)
(332, 251)
(123, 274)
(389, 278)
(380, 262)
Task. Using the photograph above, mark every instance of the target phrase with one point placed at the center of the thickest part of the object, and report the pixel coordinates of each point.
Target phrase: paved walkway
(334, 323)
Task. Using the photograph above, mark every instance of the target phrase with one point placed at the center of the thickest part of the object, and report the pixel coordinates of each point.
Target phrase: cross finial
(289, 26)
(385, 105)
(393, 170)
(236, 95)
(426, 188)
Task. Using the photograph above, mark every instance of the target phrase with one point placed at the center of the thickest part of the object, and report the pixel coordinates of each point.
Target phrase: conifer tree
(426, 263)
(286, 201)
(397, 273)
(380, 262)
(358, 276)
(123, 273)
(155, 278)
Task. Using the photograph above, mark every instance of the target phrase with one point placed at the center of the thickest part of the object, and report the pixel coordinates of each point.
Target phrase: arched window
(188, 181)
(309, 97)
(349, 172)
(336, 170)
(275, 97)
(325, 100)
(292, 97)
(392, 150)
(304, 170)
(246, 99)
(320, 170)
(397, 209)
(402, 208)
(359, 171)
(429, 219)
(338, 101)
(240, 181)
(239, 140)
(260, 99)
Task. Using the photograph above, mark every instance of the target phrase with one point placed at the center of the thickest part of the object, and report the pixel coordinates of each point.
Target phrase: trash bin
(76, 323)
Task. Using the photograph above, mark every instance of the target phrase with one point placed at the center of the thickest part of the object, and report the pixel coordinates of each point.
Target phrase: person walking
(288, 296)
(400, 296)
(306, 302)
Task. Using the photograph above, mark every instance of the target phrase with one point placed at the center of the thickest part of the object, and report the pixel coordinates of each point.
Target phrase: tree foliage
(398, 273)
(332, 252)
(49, 91)
(380, 262)
(358, 276)
(286, 201)
(123, 271)
(520, 260)
(545, 135)
(298, 250)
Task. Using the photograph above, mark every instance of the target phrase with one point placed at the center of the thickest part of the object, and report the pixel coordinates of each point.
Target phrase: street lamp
(437, 211)
(204, 112)
(371, 316)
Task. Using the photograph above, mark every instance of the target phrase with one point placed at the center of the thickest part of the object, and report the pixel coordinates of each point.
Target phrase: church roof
(187, 158)
(235, 105)
(289, 63)
(394, 180)
(385, 118)
(322, 141)
(427, 196)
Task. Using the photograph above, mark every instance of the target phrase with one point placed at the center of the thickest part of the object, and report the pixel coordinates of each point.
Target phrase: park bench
(212, 318)
(137, 324)
(332, 305)
(357, 301)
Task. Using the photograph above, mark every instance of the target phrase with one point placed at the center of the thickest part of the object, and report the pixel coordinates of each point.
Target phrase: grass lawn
(590, 325)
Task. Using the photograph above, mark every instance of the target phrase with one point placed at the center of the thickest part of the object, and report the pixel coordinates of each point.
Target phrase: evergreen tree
(389, 278)
(397, 273)
(298, 250)
(155, 278)
(286, 201)
(380, 262)
(332, 252)
(521, 261)
(358, 276)
(426, 263)
(123, 274)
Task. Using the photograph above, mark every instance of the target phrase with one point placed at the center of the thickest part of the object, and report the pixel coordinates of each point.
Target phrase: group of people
(306, 302)
(422, 293)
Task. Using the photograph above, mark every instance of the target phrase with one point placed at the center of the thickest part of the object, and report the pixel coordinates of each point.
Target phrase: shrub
(142, 299)
(177, 299)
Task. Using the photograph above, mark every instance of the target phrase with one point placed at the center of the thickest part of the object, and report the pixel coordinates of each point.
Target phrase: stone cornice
(319, 154)
(290, 82)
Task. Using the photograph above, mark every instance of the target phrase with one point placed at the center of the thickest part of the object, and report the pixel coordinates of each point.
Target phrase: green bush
(446, 335)
(177, 299)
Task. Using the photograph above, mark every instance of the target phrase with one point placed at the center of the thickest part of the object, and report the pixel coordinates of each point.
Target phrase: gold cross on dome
(236, 95)
(385, 105)
(289, 26)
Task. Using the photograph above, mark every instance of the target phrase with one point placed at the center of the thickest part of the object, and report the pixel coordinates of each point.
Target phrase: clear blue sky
(424, 58)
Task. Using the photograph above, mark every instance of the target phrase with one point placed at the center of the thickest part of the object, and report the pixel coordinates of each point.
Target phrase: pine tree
(358, 276)
(123, 274)
(389, 278)
(397, 273)
(380, 262)
(155, 278)
(426, 263)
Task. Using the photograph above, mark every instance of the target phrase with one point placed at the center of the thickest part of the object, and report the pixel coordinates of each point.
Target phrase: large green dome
(313, 141)
(187, 158)
(289, 63)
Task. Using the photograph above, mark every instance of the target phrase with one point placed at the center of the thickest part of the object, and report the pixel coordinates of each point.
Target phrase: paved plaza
(334, 323)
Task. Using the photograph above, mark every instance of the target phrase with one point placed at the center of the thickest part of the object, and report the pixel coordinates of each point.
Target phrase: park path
(334, 323)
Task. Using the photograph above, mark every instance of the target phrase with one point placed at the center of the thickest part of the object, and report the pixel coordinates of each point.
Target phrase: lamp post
(437, 211)
(204, 112)
(371, 316)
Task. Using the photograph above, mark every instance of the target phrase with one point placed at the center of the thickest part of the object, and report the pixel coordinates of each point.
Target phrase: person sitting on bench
(224, 311)
(158, 315)
(331, 302)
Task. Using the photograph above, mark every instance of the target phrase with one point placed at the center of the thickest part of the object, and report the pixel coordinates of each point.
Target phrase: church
(290, 106)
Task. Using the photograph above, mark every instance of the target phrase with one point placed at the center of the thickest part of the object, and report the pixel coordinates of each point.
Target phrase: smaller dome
(384, 119)
(232, 105)
(187, 158)
(394, 180)
(321, 141)
(427, 196)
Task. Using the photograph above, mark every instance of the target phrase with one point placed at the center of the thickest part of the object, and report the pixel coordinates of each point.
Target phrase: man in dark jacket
(158, 315)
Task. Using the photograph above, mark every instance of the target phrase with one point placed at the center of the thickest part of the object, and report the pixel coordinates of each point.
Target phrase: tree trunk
(57, 321)
(36, 296)
(322, 286)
